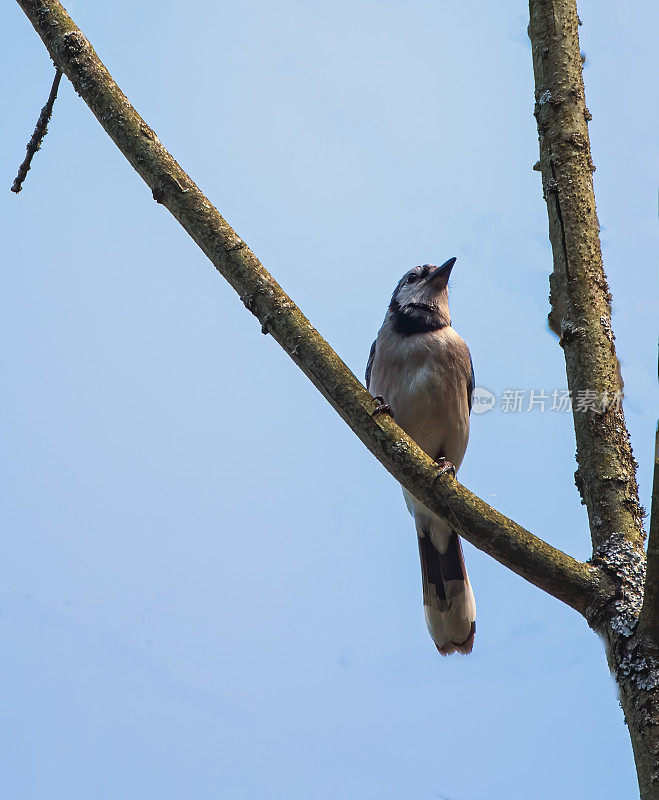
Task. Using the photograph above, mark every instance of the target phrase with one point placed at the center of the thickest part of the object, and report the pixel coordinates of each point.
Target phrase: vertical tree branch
(580, 299)
(581, 316)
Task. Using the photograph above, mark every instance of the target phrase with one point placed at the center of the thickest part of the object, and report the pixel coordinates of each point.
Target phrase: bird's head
(419, 303)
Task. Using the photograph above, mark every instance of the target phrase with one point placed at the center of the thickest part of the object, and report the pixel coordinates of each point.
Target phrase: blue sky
(208, 587)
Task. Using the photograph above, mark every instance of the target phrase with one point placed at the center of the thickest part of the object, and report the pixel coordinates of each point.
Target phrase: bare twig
(584, 587)
(40, 130)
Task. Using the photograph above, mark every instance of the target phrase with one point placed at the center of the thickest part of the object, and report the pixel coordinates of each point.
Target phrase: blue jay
(420, 371)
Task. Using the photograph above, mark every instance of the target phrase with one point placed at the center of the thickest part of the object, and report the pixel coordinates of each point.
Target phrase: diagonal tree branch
(582, 586)
(580, 298)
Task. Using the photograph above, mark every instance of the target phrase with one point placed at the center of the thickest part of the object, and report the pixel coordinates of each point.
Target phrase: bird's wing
(470, 384)
(369, 365)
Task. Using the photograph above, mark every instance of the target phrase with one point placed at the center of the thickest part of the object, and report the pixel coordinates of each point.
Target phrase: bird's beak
(441, 274)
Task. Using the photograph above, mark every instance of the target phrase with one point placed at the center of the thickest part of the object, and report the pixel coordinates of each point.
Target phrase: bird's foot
(381, 407)
(445, 466)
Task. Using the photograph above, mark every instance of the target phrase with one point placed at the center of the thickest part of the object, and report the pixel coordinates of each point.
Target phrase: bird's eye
(412, 278)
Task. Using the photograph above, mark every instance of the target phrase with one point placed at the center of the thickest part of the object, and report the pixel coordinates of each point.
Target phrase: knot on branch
(251, 303)
(167, 184)
(569, 332)
(265, 330)
(72, 44)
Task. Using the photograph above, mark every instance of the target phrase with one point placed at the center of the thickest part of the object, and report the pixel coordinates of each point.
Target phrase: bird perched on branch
(420, 371)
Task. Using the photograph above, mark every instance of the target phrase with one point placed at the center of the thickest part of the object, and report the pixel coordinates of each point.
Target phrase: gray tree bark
(607, 590)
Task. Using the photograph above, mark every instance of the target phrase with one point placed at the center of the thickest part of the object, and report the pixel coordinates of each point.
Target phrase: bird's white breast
(424, 380)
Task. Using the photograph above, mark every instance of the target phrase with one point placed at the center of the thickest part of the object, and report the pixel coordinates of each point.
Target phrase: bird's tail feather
(448, 599)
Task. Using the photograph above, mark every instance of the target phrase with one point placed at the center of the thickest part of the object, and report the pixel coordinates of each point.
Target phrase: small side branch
(40, 130)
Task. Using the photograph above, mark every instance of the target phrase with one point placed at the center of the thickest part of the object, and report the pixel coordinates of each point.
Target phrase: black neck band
(410, 320)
